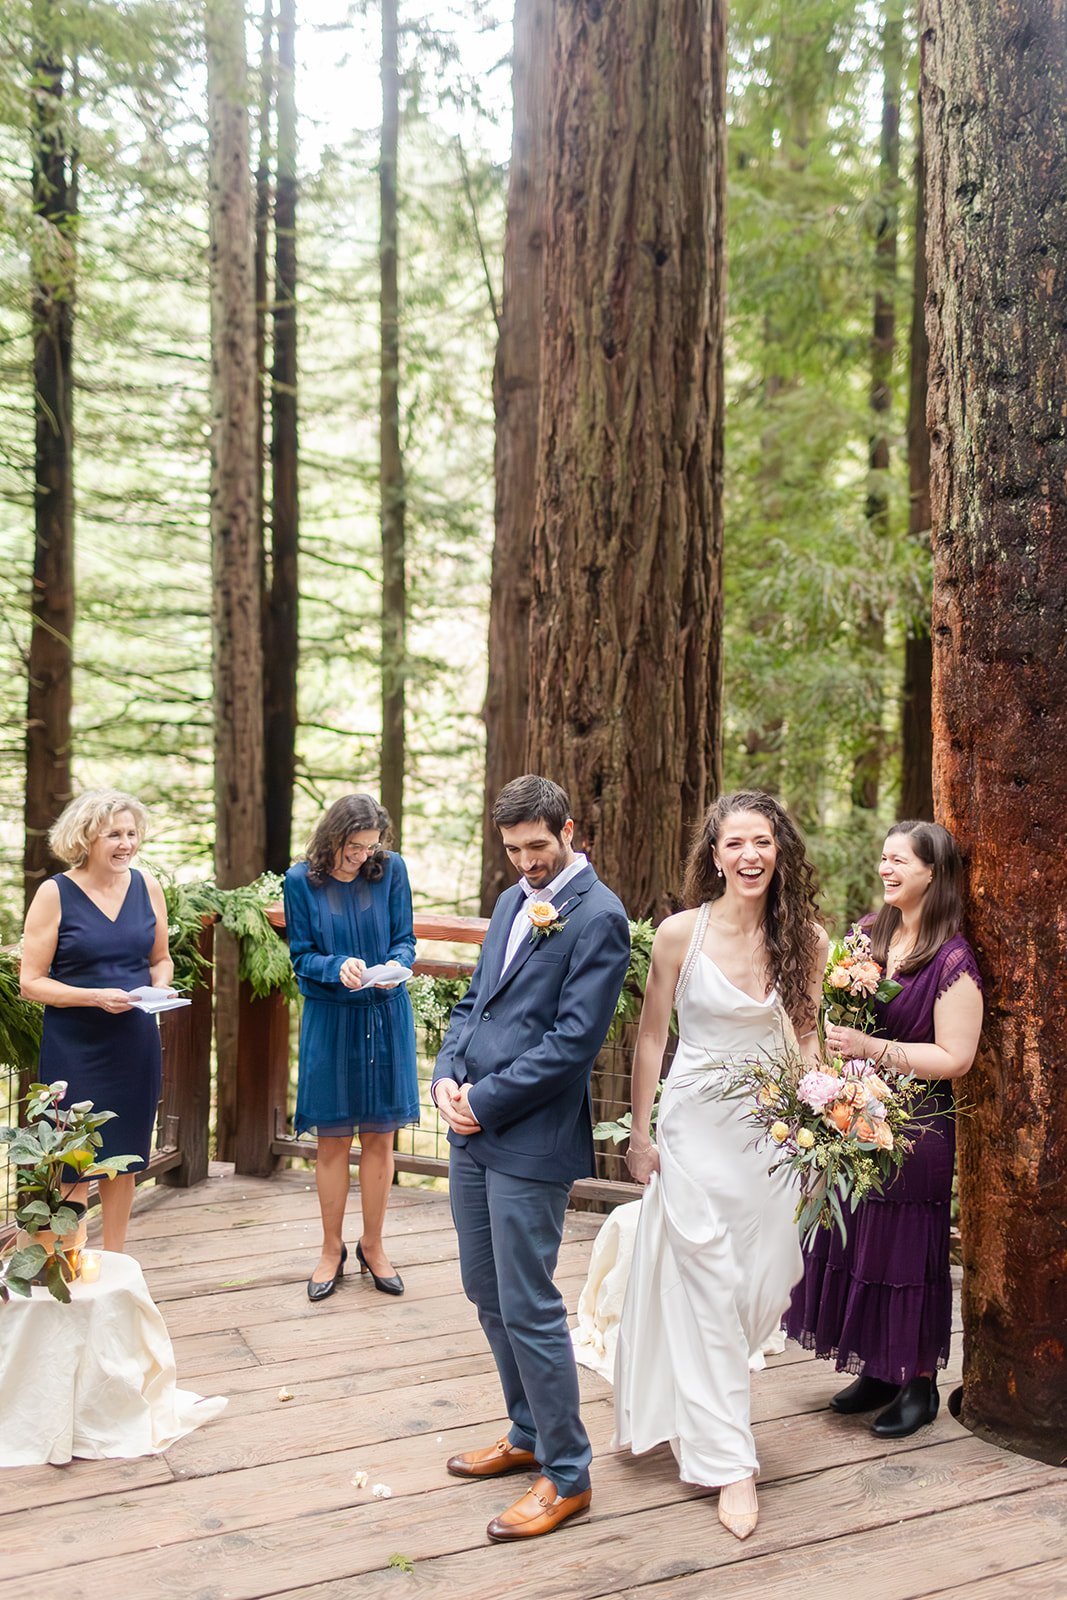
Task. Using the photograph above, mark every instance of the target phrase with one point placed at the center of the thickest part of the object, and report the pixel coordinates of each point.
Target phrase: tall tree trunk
(282, 642)
(516, 397)
(867, 768)
(235, 545)
(626, 657)
(917, 777)
(394, 582)
(49, 695)
(996, 148)
(262, 277)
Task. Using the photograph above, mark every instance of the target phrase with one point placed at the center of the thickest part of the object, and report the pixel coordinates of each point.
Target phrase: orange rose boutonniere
(544, 919)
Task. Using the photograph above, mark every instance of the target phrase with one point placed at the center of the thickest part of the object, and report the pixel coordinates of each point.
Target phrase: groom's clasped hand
(453, 1102)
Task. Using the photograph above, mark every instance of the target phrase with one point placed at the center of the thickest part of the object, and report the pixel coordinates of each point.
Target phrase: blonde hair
(71, 835)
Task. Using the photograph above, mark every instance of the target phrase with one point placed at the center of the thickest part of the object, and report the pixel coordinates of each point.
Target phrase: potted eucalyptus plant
(53, 1143)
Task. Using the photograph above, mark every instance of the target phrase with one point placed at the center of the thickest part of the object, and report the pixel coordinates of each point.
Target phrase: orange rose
(541, 913)
(880, 1134)
(876, 1086)
(841, 1117)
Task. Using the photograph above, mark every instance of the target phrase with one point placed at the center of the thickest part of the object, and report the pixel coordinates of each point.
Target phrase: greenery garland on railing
(263, 959)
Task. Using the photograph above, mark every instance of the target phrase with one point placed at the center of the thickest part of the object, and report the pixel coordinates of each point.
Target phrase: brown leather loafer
(491, 1463)
(540, 1510)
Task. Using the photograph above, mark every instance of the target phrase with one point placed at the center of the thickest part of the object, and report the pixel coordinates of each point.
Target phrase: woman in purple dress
(881, 1303)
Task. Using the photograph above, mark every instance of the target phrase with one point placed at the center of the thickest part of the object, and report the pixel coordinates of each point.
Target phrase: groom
(512, 1082)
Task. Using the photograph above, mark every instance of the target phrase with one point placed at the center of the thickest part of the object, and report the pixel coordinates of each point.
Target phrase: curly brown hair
(353, 813)
(789, 930)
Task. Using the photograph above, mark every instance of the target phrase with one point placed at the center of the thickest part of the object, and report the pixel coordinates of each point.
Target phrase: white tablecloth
(94, 1378)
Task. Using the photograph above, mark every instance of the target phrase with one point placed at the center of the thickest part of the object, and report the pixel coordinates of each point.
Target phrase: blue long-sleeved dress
(357, 1048)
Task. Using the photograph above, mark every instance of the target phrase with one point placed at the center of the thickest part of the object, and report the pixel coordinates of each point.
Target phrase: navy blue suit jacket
(526, 1041)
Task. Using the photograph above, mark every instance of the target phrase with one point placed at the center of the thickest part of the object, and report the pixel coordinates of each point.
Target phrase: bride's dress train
(716, 1251)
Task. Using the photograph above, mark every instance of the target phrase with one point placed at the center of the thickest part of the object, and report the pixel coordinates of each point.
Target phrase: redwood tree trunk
(917, 778)
(50, 664)
(516, 396)
(394, 583)
(626, 663)
(235, 543)
(996, 149)
(867, 768)
(282, 639)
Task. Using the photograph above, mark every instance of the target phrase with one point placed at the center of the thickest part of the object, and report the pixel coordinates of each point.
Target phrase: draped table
(95, 1378)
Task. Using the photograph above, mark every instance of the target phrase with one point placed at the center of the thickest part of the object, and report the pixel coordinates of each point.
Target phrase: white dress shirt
(521, 927)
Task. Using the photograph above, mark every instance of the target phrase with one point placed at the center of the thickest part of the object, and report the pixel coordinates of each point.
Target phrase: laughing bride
(716, 1251)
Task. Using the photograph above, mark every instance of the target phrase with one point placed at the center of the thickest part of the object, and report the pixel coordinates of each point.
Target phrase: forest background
(826, 554)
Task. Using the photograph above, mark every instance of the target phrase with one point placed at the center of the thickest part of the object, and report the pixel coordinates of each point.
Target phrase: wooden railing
(180, 1155)
(263, 1073)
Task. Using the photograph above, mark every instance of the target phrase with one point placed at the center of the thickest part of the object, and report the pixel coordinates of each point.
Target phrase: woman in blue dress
(348, 908)
(92, 934)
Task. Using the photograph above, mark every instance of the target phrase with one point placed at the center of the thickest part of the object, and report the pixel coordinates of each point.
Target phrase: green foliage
(432, 1000)
(51, 1141)
(20, 1020)
(400, 1563)
(263, 958)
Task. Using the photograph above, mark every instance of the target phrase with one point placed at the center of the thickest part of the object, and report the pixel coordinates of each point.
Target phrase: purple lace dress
(881, 1303)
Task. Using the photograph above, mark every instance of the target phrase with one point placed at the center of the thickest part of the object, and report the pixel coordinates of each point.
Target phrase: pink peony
(818, 1089)
(865, 977)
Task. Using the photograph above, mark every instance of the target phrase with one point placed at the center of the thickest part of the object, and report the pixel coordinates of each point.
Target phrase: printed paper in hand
(156, 1000)
(386, 974)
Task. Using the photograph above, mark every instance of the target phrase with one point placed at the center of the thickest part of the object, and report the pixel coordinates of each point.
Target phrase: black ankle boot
(866, 1394)
(913, 1408)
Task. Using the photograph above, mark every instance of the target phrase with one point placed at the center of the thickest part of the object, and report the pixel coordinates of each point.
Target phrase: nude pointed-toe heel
(740, 1523)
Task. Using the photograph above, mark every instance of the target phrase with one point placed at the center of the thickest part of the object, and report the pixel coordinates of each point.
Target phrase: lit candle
(90, 1266)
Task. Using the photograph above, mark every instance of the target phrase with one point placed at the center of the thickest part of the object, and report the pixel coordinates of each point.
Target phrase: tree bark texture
(237, 656)
(282, 636)
(49, 696)
(516, 398)
(394, 582)
(626, 650)
(995, 122)
(867, 767)
(262, 252)
(917, 773)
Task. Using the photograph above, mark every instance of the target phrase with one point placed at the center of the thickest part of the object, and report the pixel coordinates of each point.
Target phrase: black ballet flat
(319, 1291)
(866, 1394)
(913, 1408)
(393, 1285)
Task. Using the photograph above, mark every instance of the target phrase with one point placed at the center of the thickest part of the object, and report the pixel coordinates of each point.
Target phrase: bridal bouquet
(853, 980)
(838, 1126)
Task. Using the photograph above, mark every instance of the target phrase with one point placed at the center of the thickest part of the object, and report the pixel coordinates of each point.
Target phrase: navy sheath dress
(112, 1059)
(357, 1047)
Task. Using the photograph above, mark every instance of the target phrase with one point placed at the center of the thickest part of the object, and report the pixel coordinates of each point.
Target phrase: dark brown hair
(353, 813)
(789, 931)
(532, 799)
(942, 909)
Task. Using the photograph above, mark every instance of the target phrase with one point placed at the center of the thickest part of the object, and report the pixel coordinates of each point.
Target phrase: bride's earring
(719, 870)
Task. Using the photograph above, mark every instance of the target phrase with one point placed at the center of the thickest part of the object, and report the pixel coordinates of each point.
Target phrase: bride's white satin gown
(716, 1252)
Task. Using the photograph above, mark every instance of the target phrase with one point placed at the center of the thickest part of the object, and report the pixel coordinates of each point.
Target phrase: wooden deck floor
(262, 1501)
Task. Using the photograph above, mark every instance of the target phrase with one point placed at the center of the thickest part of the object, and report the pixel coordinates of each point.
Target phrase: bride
(717, 1251)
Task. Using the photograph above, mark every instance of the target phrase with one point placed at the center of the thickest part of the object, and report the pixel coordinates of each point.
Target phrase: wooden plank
(659, 1546)
(642, 1530)
(976, 1545)
(253, 1306)
(1045, 1580)
(29, 1489)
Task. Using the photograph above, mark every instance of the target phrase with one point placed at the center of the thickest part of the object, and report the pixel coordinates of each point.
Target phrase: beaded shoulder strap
(691, 954)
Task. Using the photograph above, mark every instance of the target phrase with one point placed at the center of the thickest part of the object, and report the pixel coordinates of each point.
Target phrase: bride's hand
(642, 1158)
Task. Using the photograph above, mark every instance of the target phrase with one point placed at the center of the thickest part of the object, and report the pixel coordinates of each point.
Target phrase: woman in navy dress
(93, 933)
(881, 1303)
(348, 908)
